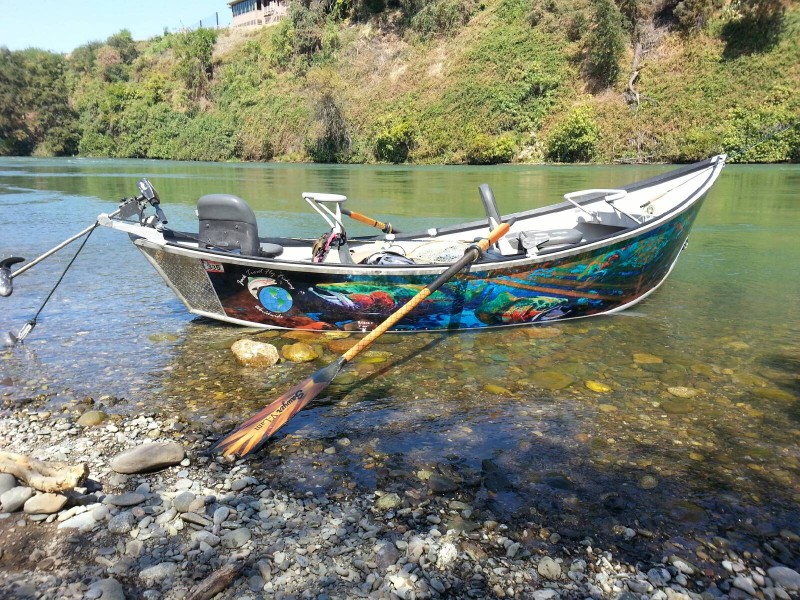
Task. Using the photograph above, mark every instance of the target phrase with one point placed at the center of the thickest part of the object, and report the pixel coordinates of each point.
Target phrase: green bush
(695, 144)
(442, 17)
(576, 139)
(746, 133)
(694, 14)
(394, 142)
(490, 150)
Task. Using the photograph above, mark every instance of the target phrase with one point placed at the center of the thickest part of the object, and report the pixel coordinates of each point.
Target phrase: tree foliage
(194, 52)
(332, 142)
(35, 114)
(605, 44)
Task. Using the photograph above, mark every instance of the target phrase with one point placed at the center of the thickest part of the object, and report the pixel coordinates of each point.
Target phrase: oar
(251, 434)
(384, 227)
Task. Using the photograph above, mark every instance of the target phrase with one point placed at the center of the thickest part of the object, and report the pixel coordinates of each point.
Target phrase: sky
(63, 25)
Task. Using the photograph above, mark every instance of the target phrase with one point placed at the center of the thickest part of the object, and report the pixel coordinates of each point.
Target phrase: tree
(14, 137)
(124, 44)
(194, 51)
(605, 44)
(333, 143)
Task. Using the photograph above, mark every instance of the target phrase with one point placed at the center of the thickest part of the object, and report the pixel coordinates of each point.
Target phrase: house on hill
(254, 13)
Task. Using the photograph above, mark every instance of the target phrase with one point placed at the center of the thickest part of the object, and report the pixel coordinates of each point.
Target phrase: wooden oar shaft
(385, 227)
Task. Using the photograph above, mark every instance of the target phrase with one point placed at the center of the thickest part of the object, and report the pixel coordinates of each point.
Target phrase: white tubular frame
(334, 219)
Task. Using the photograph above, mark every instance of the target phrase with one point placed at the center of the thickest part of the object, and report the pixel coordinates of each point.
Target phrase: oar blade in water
(252, 434)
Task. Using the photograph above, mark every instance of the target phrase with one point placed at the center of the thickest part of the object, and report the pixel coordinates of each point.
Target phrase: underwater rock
(388, 502)
(597, 386)
(648, 482)
(551, 380)
(299, 352)
(542, 333)
(255, 354)
(340, 346)
(643, 358)
(683, 392)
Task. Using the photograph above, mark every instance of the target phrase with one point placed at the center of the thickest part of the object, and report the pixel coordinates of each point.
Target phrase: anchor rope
(32, 322)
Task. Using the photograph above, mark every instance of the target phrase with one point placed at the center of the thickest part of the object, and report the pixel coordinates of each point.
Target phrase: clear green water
(711, 412)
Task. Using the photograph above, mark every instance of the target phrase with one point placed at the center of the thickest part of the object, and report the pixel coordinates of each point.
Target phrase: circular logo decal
(275, 299)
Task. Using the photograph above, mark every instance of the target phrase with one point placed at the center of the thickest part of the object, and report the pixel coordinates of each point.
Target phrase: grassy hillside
(448, 81)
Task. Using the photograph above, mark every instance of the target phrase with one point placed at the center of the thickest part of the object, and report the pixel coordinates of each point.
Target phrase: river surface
(692, 425)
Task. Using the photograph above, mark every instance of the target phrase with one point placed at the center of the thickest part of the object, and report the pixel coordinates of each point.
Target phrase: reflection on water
(682, 413)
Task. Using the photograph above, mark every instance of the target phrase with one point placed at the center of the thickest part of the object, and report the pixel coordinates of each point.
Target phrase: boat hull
(588, 281)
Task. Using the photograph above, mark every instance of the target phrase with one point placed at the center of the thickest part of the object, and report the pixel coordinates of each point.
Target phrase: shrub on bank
(576, 139)
(490, 150)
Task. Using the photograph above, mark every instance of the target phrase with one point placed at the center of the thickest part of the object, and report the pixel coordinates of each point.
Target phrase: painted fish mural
(588, 283)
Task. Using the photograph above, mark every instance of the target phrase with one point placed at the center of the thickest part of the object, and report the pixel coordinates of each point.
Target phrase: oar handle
(471, 255)
(384, 227)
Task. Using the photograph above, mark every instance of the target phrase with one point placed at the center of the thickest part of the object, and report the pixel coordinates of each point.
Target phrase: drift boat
(599, 251)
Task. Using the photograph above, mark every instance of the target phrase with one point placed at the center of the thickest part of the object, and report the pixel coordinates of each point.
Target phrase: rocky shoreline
(160, 518)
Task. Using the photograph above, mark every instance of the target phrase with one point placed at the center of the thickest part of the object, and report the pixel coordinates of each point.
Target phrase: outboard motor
(228, 223)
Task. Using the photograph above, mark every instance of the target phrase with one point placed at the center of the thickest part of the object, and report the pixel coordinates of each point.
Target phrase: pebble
(7, 482)
(121, 523)
(787, 578)
(83, 522)
(183, 502)
(549, 569)
(125, 500)
(236, 538)
(148, 458)
(45, 504)
(92, 418)
(15, 498)
(158, 573)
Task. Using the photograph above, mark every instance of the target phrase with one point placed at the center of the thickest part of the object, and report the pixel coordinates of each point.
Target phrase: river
(694, 431)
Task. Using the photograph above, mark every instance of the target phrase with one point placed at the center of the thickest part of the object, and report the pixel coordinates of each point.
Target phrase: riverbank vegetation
(444, 81)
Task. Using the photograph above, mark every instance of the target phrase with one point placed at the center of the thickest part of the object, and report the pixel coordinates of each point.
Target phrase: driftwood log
(45, 476)
(215, 583)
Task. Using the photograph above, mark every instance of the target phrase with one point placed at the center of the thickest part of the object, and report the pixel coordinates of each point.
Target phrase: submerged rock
(643, 358)
(551, 380)
(597, 386)
(299, 352)
(255, 354)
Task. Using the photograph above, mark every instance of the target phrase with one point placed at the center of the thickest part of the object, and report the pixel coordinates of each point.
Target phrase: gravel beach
(161, 518)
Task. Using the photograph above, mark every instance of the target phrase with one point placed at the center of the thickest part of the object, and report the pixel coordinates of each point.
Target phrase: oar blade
(254, 432)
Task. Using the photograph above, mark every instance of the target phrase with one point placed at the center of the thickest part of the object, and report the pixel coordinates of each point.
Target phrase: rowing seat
(228, 223)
